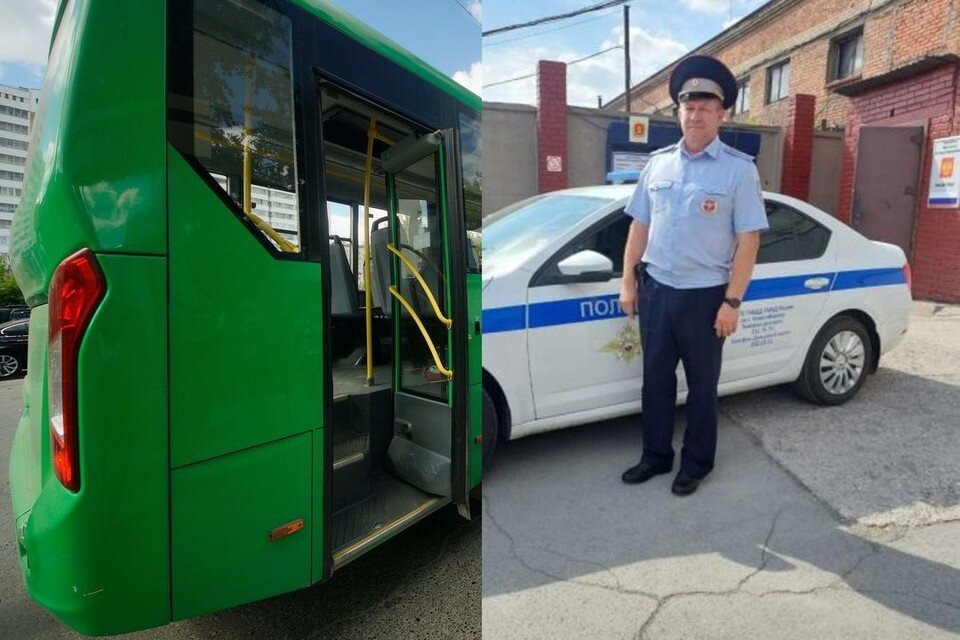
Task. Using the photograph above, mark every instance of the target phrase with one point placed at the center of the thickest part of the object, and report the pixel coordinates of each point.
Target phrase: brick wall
(928, 99)
(798, 146)
(895, 32)
(551, 124)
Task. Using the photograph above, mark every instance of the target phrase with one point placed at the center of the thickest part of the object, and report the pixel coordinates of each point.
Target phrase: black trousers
(677, 325)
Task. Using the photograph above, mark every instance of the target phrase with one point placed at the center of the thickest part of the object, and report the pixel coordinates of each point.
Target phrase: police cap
(703, 77)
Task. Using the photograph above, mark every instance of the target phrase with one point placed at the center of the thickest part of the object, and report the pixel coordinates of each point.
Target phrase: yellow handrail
(423, 330)
(372, 135)
(283, 243)
(367, 293)
(416, 274)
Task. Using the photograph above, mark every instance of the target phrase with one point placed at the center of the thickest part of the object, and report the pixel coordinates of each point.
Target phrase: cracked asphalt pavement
(817, 522)
(424, 583)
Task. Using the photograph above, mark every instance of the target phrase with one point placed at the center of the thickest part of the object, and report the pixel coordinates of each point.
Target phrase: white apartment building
(17, 108)
(275, 207)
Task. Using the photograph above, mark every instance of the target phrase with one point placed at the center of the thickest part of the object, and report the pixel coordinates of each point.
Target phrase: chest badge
(709, 205)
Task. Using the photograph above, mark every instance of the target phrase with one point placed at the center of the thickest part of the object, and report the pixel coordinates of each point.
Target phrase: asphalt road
(424, 583)
(816, 523)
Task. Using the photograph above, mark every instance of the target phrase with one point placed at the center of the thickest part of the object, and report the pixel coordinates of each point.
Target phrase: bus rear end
(89, 464)
(198, 432)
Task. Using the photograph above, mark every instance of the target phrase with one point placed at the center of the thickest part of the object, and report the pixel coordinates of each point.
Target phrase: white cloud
(472, 79)
(504, 63)
(476, 10)
(708, 6)
(600, 76)
(25, 30)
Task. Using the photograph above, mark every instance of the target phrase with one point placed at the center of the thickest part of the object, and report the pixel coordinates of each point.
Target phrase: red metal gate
(885, 191)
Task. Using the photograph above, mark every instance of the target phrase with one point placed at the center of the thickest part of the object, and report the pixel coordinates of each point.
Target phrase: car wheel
(10, 366)
(837, 363)
(491, 429)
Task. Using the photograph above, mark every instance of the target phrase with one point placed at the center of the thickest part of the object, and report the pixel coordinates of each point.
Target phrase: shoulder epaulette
(737, 153)
(671, 147)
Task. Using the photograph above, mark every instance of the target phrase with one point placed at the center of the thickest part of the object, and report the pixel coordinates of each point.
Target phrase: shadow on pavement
(555, 510)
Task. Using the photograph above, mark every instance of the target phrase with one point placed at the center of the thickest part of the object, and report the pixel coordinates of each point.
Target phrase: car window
(524, 229)
(16, 329)
(608, 237)
(791, 236)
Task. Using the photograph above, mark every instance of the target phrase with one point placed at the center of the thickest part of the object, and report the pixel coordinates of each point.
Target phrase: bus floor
(366, 498)
(391, 498)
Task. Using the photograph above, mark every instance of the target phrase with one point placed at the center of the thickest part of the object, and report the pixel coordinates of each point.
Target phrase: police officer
(698, 213)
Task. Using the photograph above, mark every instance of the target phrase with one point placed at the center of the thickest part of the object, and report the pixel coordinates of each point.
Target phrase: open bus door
(429, 447)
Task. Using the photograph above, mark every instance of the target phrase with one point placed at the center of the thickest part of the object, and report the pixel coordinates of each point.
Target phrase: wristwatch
(733, 302)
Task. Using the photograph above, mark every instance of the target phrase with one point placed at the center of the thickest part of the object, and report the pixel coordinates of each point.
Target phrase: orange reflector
(287, 529)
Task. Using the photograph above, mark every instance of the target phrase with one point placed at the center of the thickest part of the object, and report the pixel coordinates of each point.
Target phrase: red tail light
(908, 275)
(76, 290)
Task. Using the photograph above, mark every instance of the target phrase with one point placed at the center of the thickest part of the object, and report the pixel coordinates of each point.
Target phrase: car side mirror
(586, 266)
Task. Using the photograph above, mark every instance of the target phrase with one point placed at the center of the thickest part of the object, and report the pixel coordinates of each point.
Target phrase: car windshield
(514, 234)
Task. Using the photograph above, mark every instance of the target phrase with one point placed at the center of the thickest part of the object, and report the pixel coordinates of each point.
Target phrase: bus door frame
(452, 219)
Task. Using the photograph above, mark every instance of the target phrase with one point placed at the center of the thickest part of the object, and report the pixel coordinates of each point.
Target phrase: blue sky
(445, 33)
(660, 33)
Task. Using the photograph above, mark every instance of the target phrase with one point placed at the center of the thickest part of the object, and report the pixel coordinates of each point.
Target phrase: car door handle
(816, 283)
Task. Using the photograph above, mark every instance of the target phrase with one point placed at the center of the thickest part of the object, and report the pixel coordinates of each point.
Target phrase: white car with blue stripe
(823, 305)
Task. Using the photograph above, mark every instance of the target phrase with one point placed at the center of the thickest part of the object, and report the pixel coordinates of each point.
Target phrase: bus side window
(472, 170)
(239, 122)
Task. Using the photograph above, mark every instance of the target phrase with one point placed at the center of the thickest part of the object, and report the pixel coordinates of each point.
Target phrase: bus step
(349, 451)
(351, 470)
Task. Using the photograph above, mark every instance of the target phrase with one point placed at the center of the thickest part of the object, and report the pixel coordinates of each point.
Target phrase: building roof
(759, 16)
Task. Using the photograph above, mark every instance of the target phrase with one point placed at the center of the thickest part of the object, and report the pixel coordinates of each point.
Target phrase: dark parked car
(14, 312)
(13, 348)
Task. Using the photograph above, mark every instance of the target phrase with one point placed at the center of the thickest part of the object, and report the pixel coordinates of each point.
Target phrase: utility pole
(626, 56)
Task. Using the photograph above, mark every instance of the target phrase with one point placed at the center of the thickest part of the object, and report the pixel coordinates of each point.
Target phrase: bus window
(239, 122)
(472, 171)
(418, 218)
(340, 222)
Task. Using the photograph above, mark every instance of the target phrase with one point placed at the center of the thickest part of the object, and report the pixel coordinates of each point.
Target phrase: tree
(9, 290)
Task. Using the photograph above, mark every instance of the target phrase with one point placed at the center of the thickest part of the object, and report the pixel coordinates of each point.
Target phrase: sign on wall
(626, 161)
(639, 129)
(944, 192)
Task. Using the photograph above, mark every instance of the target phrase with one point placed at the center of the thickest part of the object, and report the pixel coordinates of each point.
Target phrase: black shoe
(643, 472)
(684, 485)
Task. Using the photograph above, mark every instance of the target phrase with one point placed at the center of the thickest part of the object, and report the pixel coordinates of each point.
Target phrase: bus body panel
(99, 559)
(246, 356)
(29, 460)
(95, 176)
(475, 406)
(223, 512)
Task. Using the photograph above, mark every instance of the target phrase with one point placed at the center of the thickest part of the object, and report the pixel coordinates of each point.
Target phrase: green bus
(249, 239)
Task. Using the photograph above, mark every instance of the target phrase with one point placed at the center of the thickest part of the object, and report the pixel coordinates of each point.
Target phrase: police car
(823, 305)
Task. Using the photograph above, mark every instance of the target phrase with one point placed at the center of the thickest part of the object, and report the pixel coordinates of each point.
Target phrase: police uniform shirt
(695, 205)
